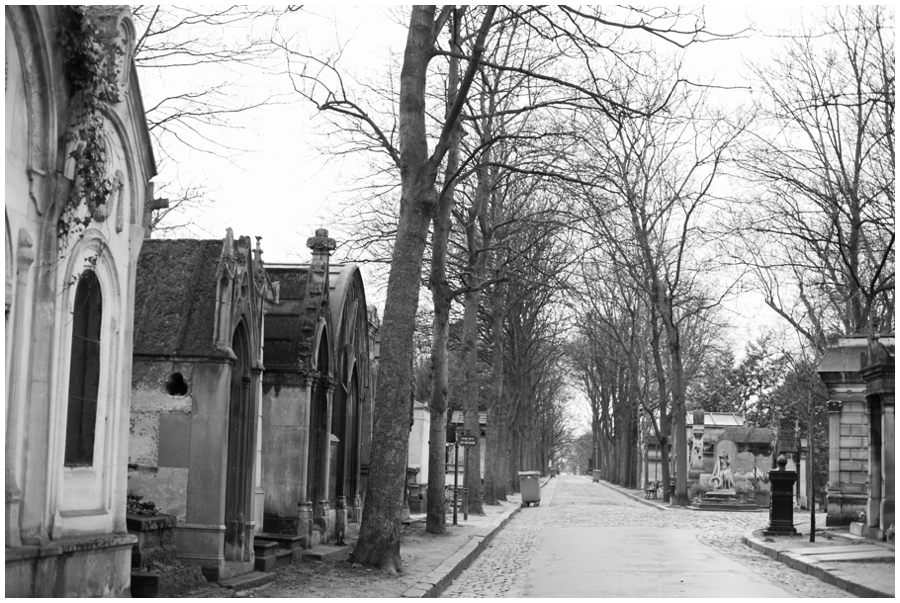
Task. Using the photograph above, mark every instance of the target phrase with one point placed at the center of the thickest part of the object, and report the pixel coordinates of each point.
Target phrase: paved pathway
(587, 539)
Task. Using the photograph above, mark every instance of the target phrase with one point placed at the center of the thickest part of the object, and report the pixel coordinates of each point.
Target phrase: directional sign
(467, 440)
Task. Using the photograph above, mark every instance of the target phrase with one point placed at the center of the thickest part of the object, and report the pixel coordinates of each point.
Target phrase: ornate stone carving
(321, 243)
(834, 405)
(117, 38)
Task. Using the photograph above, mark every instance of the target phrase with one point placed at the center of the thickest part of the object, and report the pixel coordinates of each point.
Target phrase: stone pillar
(24, 259)
(873, 504)
(340, 519)
(325, 452)
(356, 516)
(887, 460)
(833, 493)
(696, 451)
(305, 523)
(306, 437)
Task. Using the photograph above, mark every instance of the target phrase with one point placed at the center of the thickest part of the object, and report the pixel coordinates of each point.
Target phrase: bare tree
(584, 33)
(819, 232)
(195, 111)
(659, 171)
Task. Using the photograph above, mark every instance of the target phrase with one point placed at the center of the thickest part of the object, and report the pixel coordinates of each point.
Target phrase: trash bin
(596, 476)
(530, 486)
(552, 473)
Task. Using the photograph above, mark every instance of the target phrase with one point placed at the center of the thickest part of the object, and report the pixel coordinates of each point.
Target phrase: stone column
(873, 504)
(306, 433)
(833, 495)
(24, 259)
(325, 477)
(887, 459)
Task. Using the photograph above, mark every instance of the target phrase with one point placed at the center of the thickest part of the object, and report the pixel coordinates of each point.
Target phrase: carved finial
(321, 243)
(257, 253)
(228, 247)
(781, 462)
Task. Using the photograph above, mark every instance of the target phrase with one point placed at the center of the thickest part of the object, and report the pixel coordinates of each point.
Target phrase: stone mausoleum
(318, 390)
(69, 306)
(197, 379)
(252, 395)
(859, 374)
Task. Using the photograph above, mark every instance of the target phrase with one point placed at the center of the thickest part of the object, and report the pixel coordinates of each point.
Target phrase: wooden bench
(650, 490)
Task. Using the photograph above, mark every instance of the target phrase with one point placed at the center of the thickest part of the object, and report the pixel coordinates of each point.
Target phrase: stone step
(245, 581)
(286, 541)
(327, 553)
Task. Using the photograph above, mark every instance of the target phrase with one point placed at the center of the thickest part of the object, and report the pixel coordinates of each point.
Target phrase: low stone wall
(83, 567)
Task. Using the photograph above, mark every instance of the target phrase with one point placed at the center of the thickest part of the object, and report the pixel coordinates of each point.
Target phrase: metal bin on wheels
(530, 486)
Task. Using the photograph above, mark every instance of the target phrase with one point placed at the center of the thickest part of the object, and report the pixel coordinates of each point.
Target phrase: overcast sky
(284, 187)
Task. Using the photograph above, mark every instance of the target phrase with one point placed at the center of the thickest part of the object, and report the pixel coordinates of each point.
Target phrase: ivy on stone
(85, 63)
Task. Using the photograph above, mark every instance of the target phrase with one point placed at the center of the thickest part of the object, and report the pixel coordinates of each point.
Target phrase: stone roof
(175, 296)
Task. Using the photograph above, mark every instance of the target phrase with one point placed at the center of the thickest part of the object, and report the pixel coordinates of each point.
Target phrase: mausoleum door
(238, 489)
(338, 429)
(352, 449)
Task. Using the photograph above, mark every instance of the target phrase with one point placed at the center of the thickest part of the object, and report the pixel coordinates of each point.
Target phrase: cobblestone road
(503, 569)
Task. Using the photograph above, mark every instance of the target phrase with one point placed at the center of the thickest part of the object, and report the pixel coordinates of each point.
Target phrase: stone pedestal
(356, 511)
(305, 523)
(781, 511)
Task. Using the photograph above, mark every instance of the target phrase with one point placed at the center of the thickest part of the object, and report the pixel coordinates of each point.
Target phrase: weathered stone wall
(285, 436)
(160, 435)
(854, 448)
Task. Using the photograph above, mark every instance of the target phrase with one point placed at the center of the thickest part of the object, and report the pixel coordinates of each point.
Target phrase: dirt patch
(421, 553)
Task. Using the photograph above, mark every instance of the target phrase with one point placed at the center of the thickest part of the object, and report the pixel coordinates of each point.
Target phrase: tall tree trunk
(494, 485)
(441, 296)
(663, 437)
(470, 401)
(379, 535)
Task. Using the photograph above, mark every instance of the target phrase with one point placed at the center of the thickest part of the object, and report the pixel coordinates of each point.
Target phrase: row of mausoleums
(234, 395)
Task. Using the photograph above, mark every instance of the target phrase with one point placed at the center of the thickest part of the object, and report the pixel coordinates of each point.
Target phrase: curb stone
(822, 571)
(437, 581)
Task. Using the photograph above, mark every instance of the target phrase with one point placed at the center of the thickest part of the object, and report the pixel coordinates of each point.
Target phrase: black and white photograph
(462, 301)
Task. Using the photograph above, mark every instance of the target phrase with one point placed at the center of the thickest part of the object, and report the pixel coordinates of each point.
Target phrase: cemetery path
(589, 540)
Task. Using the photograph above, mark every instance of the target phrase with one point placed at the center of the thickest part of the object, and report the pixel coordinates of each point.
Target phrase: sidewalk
(430, 562)
(862, 567)
(437, 581)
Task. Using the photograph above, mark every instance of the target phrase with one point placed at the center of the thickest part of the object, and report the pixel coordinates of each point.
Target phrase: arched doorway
(239, 482)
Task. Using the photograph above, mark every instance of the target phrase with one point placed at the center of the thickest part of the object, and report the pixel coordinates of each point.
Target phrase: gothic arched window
(84, 372)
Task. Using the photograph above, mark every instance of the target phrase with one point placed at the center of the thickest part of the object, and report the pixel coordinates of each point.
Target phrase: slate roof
(175, 296)
(749, 435)
(457, 417)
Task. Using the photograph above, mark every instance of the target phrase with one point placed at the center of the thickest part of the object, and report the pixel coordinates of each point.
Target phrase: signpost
(468, 440)
(459, 439)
